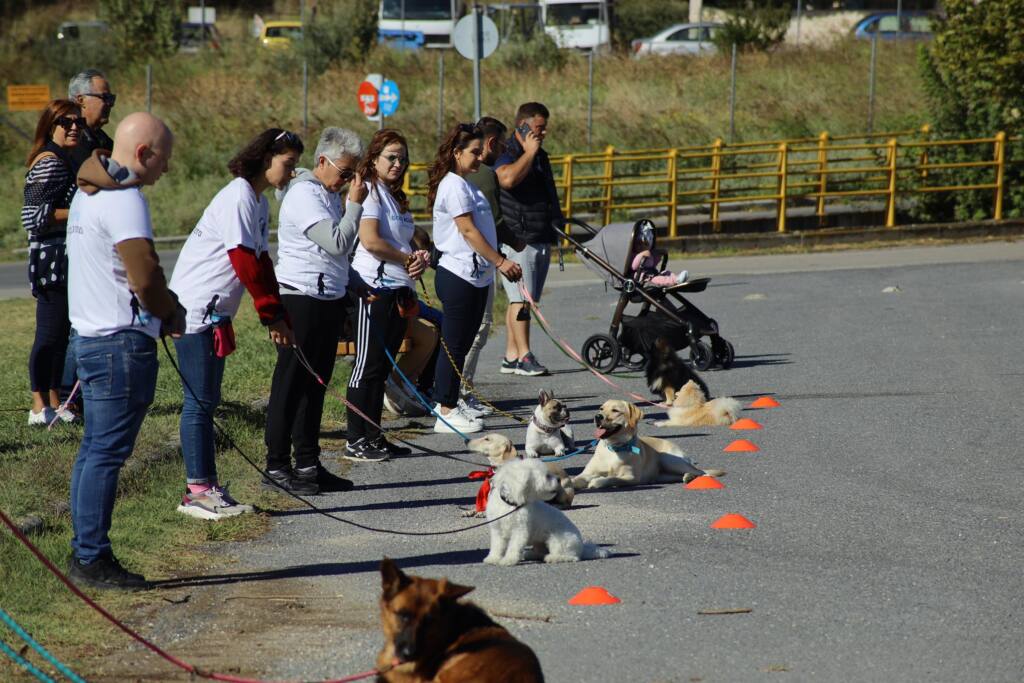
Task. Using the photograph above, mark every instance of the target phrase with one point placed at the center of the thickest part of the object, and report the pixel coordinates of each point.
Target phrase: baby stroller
(664, 311)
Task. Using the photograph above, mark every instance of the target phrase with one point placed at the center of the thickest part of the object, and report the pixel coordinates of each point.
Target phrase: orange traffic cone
(765, 402)
(593, 595)
(741, 446)
(745, 423)
(732, 521)
(705, 482)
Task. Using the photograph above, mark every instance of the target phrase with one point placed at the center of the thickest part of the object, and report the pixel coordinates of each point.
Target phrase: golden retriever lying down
(622, 458)
(691, 409)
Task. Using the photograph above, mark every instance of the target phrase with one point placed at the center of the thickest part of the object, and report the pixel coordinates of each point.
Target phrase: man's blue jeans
(118, 379)
(203, 372)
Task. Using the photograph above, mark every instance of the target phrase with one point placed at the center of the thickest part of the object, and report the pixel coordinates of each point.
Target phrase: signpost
(368, 98)
(388, 98)
(378, 98)
(27, 97)
(476, 38)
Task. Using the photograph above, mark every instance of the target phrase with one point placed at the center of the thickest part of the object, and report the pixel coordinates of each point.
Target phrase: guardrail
(815, 171)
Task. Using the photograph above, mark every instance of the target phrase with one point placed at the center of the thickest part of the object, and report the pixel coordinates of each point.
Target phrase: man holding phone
(531, 206)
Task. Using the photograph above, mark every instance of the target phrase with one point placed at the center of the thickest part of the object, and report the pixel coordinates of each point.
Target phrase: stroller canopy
(612, 244)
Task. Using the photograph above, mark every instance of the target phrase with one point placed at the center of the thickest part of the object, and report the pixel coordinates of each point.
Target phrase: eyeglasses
(395, 159)
(69, 122)
(347, 174)
(108, 98)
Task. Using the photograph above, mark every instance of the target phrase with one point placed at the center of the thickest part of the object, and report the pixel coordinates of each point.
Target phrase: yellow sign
(27, 97)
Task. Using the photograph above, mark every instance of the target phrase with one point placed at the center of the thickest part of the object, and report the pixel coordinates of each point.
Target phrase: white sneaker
(213, 503)
(390, 407)
(44, 417)
(474, 405)
(458, 419)
(68, 416)
(682, 276)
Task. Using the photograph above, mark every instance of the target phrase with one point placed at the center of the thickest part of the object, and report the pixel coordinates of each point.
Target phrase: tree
(644, 18)
(142, 29)
(973, 73)
(343, 31)
(753, 25)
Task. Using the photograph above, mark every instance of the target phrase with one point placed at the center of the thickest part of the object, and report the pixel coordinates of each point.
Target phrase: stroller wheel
(632, 360)
(701, 356)
(724, 352)
(601, 352)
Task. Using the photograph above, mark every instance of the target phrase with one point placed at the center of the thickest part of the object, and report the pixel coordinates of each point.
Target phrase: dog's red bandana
(485, 488)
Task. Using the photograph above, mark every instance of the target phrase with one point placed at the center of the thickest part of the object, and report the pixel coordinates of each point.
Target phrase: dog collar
(631, 446)
(546, 430)
(507, 501)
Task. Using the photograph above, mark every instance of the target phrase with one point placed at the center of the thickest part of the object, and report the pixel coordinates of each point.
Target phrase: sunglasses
(108, 98)
(395, 159)
(69, 122)
(289, 137)
(347, 174)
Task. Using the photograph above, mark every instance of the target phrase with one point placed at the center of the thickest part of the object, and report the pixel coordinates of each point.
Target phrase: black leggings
(296, 398)
(46, 362)
(378, 326)
(464, 307)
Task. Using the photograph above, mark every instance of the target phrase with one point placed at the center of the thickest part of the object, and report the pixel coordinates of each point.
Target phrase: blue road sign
(389, 97)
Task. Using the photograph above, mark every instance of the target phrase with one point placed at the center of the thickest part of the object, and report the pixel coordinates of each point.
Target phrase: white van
(580, 25)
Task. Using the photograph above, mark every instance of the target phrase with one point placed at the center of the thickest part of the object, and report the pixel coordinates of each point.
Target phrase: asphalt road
(886, 495)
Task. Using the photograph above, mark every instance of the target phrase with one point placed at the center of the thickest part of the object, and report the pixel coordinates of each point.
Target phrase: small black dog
(667, 372)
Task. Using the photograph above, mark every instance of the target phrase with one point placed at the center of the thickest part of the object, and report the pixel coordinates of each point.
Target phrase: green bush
(644, 18)
(344, 31)
(539, 50)
(142, 29)
(973, 76)
(753, 25)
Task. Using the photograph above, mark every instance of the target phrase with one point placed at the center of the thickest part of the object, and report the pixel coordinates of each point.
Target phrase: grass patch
(148, 534)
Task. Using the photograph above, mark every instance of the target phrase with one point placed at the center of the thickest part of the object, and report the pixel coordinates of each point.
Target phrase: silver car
(680, 39)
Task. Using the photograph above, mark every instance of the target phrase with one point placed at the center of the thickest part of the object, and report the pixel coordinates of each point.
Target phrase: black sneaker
(382, 444)
(304, 481)
(329, 482)
(276, 480)
(509, 367)
(108, 574)
(529, 367)
(364, 451)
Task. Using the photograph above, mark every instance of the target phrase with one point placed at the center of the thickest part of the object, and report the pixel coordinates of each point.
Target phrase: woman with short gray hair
(315, 235)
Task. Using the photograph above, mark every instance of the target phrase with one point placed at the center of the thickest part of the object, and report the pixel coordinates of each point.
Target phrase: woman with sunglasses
(387, 265)
(49, 187)
(316, 233)
(225, 255)
(465, 235)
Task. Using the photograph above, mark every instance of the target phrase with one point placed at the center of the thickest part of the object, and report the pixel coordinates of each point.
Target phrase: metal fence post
(149, 87)
(732, 97)
(890, 211)
(783, 184)
(567, 178)
(609, 176)
(822, 176)
(716, 183)
(926, 130)
(590, 98)
(871, 83)
(440, 95)
(673, 190)
(305, 98)
(1000, 156)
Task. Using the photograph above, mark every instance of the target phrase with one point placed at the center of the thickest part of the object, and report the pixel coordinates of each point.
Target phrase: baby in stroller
(648, 261)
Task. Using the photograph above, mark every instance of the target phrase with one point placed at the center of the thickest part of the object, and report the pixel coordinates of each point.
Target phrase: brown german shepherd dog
(429, 636)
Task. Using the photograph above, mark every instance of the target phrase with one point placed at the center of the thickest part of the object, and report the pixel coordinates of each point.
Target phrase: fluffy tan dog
(499, 449)
(623, 458)
(691, 409)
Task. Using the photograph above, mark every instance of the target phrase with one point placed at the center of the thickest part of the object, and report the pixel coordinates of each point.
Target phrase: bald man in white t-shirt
(119, 304)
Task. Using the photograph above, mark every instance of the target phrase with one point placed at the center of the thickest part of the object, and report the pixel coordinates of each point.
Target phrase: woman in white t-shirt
(464, 233)
(387, 265)
(225, 255)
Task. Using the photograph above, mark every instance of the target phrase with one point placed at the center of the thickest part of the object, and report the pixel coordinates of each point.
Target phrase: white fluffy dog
(549, 534)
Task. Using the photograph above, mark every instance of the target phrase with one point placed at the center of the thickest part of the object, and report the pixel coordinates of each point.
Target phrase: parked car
(889, 26)
(82, 30)
(190, 37)
(681, 39)
(280, 34)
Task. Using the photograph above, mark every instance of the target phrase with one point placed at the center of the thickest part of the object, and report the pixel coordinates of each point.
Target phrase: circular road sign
(463, 36)
(388, 97)
(369, 99)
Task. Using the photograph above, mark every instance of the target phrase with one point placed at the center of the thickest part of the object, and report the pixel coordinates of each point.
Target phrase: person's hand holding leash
(509, 269)
(174, 325)
(417, 263)
(281, 334)
(357, 191)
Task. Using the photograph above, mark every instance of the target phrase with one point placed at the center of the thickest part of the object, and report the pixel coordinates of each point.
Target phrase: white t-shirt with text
(100, 302)
(396, 228)
(301, 263)
(456, 197)
(236, 217)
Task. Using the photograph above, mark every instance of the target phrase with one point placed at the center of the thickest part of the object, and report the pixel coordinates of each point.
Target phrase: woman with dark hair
(465, 235)
(225, 255)
(387, 265)
(49, 187)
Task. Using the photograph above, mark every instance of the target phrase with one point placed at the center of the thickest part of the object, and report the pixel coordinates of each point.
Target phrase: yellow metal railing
(812, 171)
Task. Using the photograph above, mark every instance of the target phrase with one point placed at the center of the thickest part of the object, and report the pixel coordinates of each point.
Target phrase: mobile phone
(524, 129)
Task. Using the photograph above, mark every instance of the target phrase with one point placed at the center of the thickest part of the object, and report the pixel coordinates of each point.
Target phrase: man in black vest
(530, 206)
(92, 93)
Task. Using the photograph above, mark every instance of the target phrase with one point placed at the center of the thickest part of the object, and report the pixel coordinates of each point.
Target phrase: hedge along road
(888, 543)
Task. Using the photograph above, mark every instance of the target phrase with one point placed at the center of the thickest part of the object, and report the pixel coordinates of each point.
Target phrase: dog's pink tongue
(600, 432)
